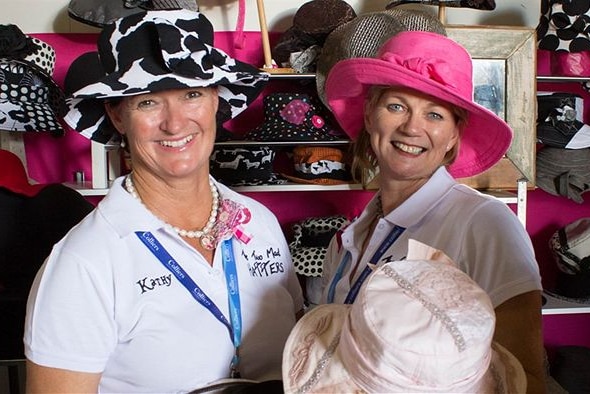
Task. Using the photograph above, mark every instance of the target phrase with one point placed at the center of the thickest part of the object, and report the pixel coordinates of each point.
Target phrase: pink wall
(55, 160)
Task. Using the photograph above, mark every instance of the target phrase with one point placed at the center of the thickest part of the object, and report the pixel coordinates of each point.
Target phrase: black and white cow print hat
(30, 100)
(159, 50)
(564, 25)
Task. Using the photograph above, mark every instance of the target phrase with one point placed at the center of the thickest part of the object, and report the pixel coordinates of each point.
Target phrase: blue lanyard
(354, 290)
(231, 276)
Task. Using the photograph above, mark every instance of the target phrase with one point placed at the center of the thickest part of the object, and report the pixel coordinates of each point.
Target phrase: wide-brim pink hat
(432, 64)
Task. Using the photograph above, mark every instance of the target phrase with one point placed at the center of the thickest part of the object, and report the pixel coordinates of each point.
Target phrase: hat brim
(312, 361)
(238, 86)
(315, 181)
(554, 294)
(484, 141)
(236, 91)
(56, 97)
(29, 117)
(13, 176)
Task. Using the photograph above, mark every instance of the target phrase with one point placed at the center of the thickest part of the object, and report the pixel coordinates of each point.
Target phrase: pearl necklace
(207, 239)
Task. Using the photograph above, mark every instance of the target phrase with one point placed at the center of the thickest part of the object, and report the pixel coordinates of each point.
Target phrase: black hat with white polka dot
(294, 117)
(30, 100)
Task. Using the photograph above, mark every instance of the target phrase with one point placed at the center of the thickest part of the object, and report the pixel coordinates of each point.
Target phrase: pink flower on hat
(434, 69)
(295, 111)
(317, 121)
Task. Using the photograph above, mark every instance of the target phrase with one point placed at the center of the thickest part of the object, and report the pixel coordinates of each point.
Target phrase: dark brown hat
(312, 23)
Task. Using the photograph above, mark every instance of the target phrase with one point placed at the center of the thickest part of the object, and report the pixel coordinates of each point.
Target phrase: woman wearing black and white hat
(174, 281)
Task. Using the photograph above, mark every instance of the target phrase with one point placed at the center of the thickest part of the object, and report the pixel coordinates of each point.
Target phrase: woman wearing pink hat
(411, 113)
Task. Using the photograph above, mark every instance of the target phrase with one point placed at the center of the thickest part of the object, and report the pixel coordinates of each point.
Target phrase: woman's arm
(54, 380)
(519, 329)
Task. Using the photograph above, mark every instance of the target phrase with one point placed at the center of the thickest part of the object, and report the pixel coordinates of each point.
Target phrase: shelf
(298, 187)
(554, 79)
(557, 306)
(292, 76)
(86, 189)
(504, 196)
(281, 143)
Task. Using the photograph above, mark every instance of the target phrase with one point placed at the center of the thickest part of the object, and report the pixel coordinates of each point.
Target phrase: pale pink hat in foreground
(418, 325)
(435, 65)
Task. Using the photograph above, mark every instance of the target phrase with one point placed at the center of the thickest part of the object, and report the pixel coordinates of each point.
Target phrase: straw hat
(364, 35)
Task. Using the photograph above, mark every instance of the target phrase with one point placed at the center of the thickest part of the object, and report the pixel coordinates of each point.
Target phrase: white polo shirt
(103, 302)
(479, 232)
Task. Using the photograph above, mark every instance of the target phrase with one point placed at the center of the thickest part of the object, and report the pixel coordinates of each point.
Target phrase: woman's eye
(435, 115)
(194, 94)
(145, 104)
(395, 107)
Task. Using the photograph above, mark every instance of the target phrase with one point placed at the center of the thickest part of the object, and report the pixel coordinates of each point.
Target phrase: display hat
(312, 23)
(417, 325)
(563, 26)
(319, 165)
(159, 50)
(570, 248)
(434, 65)
(486, 5)
(560, 120)
(563, 172)
(294, 117)
(30, 100)
(309, 245)
(13, 175)
(364, 35)
(99, 13)
(245, 166)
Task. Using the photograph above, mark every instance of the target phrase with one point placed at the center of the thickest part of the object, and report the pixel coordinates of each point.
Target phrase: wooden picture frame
(516, 49)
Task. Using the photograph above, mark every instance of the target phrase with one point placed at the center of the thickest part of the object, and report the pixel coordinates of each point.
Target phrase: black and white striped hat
(160, 50)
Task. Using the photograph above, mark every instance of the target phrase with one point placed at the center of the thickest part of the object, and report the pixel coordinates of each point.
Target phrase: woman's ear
(114, 115)
(366, 117)
(454, 139)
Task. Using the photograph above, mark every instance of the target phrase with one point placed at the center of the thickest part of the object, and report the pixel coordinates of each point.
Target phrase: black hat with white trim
(30, 100)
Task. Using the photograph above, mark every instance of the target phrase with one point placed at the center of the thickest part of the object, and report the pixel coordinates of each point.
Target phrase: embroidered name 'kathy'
(147, 284)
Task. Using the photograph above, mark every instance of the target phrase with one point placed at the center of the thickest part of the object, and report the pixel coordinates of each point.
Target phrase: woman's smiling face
(410, 133)
(170, 133)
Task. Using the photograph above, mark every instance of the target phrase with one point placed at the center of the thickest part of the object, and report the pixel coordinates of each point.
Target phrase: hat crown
(438, 322)
(15, 46)
(155, 35)
(427, 54)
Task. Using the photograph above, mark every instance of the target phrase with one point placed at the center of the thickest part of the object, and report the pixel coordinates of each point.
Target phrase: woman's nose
(412, 124)
(174, 118)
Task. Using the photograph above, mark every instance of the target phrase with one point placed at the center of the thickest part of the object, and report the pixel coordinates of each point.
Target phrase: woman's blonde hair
(364, 164)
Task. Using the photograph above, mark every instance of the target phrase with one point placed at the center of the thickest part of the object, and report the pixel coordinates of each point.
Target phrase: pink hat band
(436, 69)
(434, 65)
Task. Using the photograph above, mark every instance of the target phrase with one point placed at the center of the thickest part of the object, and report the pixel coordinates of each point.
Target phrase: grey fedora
(564, 172)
